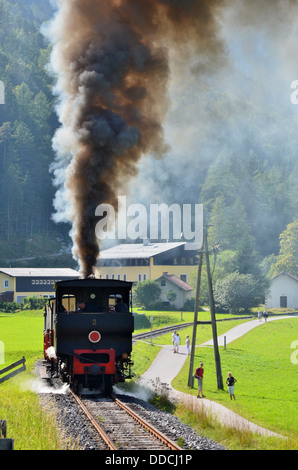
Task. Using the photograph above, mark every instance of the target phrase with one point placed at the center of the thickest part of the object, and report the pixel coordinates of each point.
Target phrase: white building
(17, 283)
(171, 283)
(283, 291)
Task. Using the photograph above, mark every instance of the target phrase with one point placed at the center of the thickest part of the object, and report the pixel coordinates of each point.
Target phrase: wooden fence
(18, 366)
(21, 363)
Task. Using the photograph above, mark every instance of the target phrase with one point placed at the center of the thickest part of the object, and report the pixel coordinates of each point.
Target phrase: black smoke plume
(111, 59)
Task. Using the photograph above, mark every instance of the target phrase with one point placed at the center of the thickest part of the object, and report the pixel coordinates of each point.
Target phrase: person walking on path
(265, 314)
(230, 383)
(199, 376)
(173, 339)
(187, 342)
(260, 315)
(177, 343)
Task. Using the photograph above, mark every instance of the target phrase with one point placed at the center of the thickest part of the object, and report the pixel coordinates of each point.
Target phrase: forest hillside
(243, 167)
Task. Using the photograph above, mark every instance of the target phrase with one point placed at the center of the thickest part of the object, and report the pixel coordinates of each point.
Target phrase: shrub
(8, 307)
(236, 292)
(189, 306)
(34, 303)
(146, 293)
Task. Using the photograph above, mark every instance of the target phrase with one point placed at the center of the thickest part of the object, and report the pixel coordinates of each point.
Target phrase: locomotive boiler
(88, 328)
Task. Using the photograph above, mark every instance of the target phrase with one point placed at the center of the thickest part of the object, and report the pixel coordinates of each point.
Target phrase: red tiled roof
(286, 274)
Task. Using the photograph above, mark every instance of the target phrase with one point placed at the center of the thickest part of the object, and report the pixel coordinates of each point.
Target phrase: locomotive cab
(89, 326)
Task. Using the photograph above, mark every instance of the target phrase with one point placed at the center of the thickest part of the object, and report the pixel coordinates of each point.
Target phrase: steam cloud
(111, 58)
(225, 114)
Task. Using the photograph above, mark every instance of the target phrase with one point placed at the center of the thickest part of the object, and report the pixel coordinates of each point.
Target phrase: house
(17, 283)
(141, 261)
(169, 283)
(283, 291)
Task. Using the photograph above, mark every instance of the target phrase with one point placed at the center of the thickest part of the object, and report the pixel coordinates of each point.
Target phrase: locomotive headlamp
(124, 355)
(94, 336)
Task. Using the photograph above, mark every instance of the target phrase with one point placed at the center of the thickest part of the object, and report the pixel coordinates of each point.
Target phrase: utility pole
(204, 250)
(194, 332)
(213, 319)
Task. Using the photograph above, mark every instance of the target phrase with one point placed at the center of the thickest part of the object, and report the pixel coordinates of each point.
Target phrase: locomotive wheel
(74, 386)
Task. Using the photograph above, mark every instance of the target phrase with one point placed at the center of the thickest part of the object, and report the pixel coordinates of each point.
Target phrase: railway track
(180, 326)
(120, 427)
(160, 331)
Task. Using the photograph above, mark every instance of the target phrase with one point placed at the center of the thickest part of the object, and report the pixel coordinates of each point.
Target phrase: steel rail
(128, 410)
(101, 432)
(148, 426)
(180, 326)
(160, 331)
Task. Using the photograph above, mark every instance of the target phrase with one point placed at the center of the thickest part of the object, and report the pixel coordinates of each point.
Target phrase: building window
(139, 277)
(113, 276)
(144, 277)
(118, 277)
(124, 277)
(183, 277)
(6, 283)
(107, 276)
(163, 282)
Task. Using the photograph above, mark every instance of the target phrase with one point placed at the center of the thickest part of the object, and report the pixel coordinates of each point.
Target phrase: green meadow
(29, 426)
(263, 363)
(266, 391)
(267, 379)
(22, 335)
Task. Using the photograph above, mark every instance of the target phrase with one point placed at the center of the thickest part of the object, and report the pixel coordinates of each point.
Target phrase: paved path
(167, 365)
(241, 329)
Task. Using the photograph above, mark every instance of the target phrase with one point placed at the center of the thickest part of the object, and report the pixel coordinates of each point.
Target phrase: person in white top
(173, 339)
(187, 342)
(177, 343)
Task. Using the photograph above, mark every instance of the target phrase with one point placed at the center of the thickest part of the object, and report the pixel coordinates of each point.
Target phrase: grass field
(21, 334)
(267, 387)
(27, 424)
(266, 391)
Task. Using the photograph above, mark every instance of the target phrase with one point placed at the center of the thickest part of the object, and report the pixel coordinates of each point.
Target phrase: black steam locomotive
(88, 330)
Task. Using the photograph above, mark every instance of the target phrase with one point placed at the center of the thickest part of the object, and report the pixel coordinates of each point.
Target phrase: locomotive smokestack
(111, 58)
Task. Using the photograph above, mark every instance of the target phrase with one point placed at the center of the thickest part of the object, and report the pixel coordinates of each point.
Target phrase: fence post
(5, 444)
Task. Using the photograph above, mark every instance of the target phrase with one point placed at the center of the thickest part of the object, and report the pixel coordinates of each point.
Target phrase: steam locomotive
(88, 330)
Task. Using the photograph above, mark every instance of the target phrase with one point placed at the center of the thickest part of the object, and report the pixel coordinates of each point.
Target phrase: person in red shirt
(199, 376)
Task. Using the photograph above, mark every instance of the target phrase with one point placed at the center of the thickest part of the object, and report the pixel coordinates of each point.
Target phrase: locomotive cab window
(113, 300)
(68, 303)
(117, 304)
